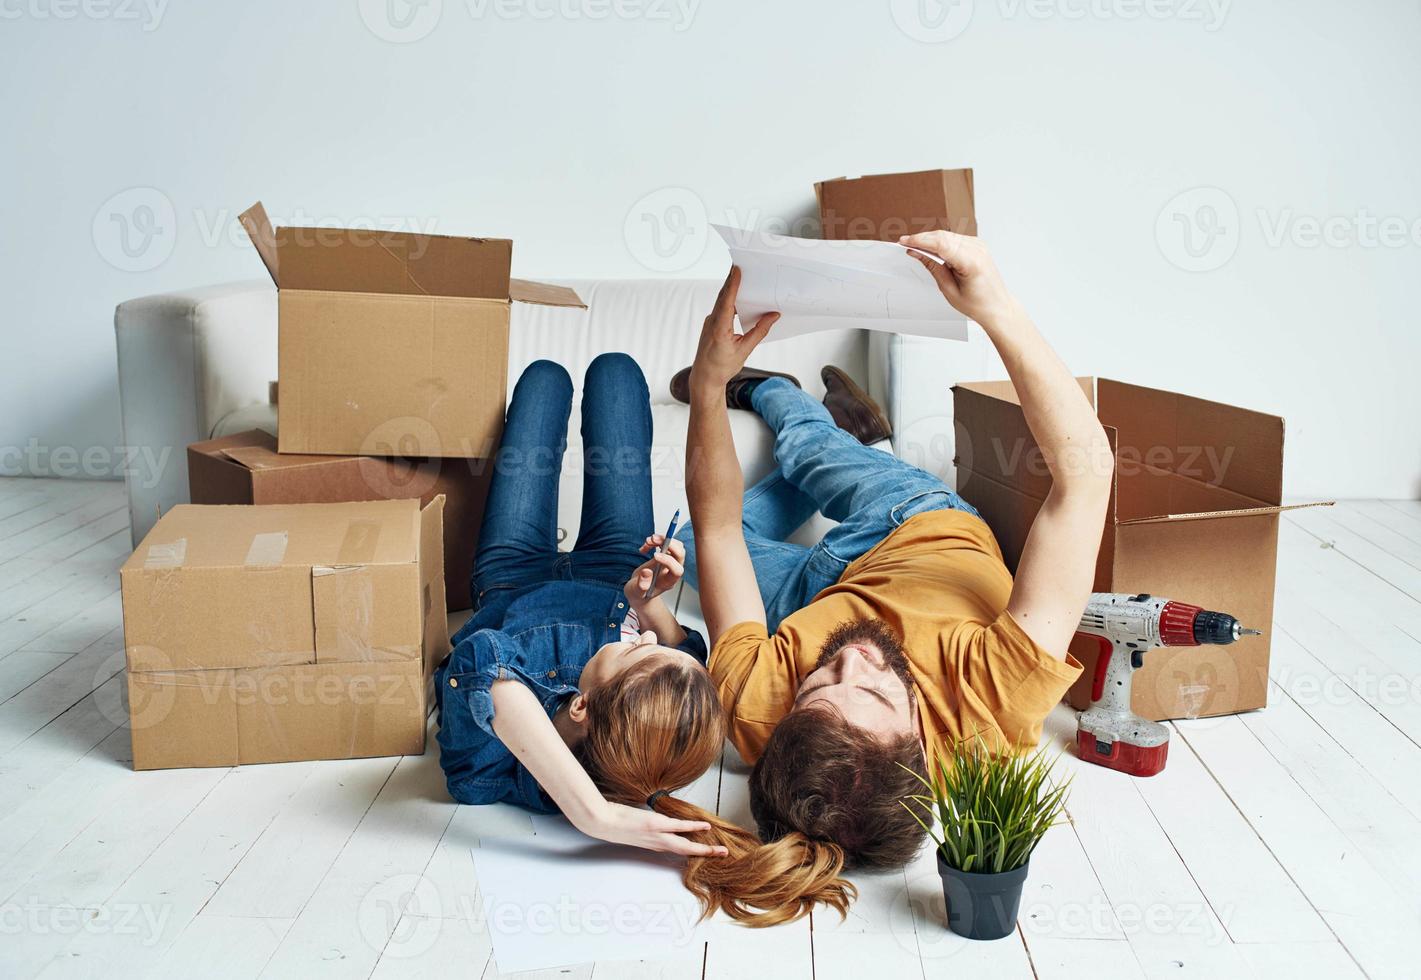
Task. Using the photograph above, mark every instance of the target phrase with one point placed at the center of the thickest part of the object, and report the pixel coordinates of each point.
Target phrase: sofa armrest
(185, 360)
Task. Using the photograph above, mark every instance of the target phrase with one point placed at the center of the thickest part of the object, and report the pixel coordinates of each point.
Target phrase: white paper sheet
(560, 898)
(834, 285)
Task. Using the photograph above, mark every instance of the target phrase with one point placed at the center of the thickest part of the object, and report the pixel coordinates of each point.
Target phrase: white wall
(574, 126)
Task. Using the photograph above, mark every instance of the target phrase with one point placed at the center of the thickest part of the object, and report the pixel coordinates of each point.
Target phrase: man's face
(862, 673)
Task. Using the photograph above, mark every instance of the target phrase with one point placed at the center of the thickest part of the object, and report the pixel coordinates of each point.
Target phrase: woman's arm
(653, 615)
(525, 729)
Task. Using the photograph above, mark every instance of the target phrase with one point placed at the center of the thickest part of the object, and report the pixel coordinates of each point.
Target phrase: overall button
(621, 605)
(552, 675)
(453, 682)
(611, 626)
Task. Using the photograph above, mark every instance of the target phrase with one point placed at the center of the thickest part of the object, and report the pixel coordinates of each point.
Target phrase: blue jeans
(820, 467)
(518, 543)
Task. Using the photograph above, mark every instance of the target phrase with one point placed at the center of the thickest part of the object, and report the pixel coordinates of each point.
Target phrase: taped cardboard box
(286, 632)
(1193, 516)
(391, 343)
(884, 207)
(246, 469)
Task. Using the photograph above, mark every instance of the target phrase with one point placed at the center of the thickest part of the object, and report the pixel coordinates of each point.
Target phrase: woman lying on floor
(560, 694)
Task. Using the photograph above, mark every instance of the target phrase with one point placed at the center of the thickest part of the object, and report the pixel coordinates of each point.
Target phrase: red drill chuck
(1183, 625)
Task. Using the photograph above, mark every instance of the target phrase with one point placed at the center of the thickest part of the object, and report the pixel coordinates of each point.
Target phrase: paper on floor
(560, 898)
(834, 285)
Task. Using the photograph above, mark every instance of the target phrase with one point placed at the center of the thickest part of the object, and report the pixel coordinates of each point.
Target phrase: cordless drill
(1109, 732)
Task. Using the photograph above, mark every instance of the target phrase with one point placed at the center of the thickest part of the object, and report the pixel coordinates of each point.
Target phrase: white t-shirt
(631, 626)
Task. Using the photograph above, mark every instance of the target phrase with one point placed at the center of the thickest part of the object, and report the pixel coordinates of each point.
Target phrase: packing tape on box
(358, 545)
(267, 549)
(343, 605)
(169, 554)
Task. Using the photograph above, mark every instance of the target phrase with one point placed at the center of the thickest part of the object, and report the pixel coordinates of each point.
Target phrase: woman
(573, 688)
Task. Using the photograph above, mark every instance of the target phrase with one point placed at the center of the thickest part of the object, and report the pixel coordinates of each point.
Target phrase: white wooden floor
(1286, 842)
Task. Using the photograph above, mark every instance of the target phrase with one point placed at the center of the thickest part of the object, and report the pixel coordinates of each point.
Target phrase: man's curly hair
(827, 779)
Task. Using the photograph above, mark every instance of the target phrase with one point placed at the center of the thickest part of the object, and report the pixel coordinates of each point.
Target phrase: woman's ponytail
(659, 729)
(760, 884)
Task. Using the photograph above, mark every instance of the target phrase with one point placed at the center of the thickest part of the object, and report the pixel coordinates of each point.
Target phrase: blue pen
(656, 573)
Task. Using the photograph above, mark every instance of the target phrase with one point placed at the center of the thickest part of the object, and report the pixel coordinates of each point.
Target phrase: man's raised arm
(714, 483)
(1057, 567)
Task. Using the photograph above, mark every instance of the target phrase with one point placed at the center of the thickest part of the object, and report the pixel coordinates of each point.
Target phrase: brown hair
(658, 729)
(828, 780)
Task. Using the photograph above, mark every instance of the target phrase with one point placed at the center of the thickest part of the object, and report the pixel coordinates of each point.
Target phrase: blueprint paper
(836, 285)
(560, 898)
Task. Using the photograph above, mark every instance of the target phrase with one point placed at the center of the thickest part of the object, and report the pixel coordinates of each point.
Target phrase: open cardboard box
(1193, 516)
(885, 207)
(279, 633)
(246, 469)
(391, 343)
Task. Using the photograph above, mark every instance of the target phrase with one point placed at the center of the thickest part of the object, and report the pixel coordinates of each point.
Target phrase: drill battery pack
(1137, 760)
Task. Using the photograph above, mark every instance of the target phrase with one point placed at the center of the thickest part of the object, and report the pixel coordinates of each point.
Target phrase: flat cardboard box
(246, 469)
(887, 206)
(1193, 516)
(283, 632)
(391, 343)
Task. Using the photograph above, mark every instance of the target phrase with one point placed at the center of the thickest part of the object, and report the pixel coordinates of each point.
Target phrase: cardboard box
(246, 469)
(390, 343)
(279, 633)
(1193, 516)
(887, 206)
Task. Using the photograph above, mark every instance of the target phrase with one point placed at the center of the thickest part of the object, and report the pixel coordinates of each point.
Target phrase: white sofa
(198, 363)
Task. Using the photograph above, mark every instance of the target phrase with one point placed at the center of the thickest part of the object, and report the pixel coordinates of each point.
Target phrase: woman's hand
(646, 829)
(723, 352)
(669, 560)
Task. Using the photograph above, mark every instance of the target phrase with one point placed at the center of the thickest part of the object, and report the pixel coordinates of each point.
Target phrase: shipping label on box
(391, 343)
(1193, 516)
(247, 469)
(277, 633)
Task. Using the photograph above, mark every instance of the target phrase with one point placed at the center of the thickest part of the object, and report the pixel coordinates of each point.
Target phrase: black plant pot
(981, 906)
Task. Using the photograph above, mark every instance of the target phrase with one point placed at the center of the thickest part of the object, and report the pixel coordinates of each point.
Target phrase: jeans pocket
(923, 502)
(823, 569)
(455, 715)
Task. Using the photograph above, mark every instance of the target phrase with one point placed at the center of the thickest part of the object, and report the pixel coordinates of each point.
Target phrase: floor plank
(164, 893)
(21, 669)
(347, 923)
(32, 709)
(1329, 528)
(67, 533)
(1241, 879)
(1356, 802)
(278, 875)
(222, 948)
(1370, 740)
(1370, 918)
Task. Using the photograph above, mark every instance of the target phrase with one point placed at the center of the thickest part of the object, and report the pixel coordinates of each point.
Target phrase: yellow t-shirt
(938, 580)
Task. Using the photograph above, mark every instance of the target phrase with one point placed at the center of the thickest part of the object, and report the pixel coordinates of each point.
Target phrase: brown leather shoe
(737, 393)
(852, 408)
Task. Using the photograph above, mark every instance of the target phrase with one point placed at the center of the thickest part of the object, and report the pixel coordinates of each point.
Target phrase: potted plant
(991, 810)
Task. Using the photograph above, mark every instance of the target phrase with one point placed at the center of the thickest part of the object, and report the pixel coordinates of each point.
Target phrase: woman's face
(615, 658)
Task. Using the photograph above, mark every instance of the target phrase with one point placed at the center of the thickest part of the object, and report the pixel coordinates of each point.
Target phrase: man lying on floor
(844, 665)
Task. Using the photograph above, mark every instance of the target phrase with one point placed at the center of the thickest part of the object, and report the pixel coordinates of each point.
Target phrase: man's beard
(869, 632)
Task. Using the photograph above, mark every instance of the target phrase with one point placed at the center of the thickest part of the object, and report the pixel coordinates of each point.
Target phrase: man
(844, 666)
